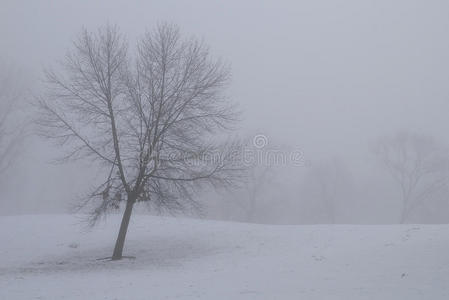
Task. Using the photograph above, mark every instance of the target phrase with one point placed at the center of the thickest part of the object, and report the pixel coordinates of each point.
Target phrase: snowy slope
(51, 257)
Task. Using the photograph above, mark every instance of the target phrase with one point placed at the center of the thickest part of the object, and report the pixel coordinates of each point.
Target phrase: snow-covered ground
(51, 257)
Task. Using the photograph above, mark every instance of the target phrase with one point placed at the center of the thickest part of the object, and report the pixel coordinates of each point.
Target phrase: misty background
(326, 78)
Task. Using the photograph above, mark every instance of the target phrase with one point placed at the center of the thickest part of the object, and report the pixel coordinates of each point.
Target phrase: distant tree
(10, 133)
(326, 180)
(417, 163)
(246, 199)
(263, 159)
(258, 179)
(150, 121)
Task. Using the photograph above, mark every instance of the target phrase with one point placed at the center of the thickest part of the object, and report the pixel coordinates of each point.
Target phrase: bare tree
(10, 133)
(246, 199)
(150, 121)
(259, 178)
(417, 163)
(327, 180)
(263, 160)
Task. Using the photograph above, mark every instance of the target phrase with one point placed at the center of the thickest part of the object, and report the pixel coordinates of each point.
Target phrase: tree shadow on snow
(152, 253)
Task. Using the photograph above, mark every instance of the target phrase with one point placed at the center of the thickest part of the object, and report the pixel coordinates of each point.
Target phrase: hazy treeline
(401, 176)
(364, 102)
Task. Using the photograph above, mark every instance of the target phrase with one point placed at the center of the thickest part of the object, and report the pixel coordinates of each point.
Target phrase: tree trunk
(404, 214)
(118, 249)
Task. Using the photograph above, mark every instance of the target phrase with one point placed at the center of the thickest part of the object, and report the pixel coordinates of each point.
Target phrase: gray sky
(326, 76)
(313, 70)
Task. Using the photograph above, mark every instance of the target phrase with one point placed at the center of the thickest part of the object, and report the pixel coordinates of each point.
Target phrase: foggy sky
(327, 77)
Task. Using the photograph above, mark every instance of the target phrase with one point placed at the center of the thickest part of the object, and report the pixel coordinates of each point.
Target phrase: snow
(54, 257)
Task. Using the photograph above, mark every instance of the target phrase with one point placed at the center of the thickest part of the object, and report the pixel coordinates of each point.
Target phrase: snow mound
(54, 257)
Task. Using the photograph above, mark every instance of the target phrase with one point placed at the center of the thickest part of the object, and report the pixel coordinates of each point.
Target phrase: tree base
(110, 258)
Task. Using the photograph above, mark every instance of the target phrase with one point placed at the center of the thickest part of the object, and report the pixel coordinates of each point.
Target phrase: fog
(326, 78)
